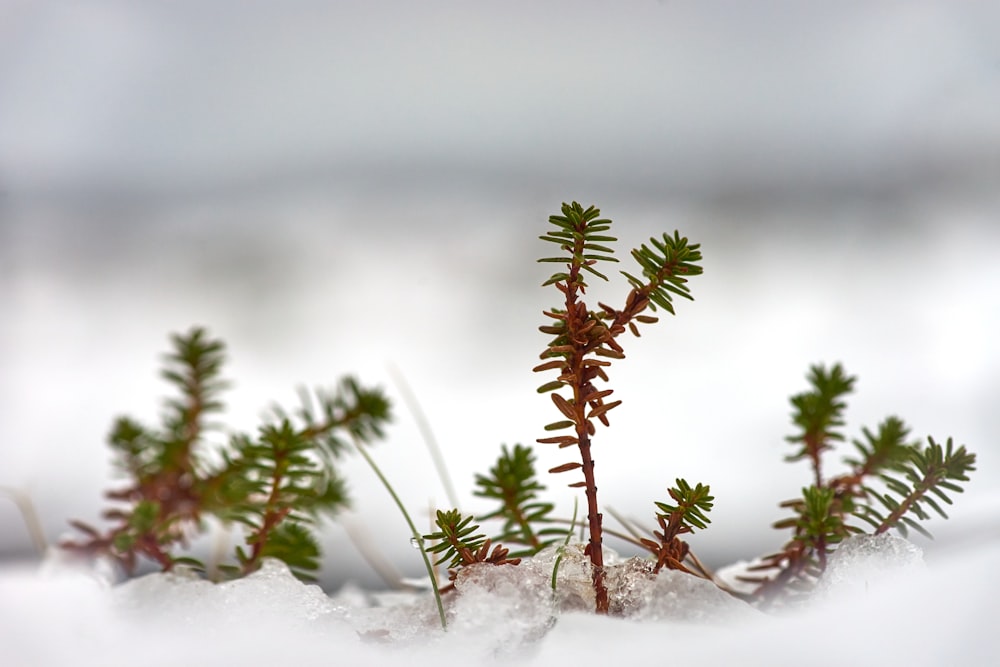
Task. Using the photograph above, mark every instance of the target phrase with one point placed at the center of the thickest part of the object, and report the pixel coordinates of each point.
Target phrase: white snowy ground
(879, 604)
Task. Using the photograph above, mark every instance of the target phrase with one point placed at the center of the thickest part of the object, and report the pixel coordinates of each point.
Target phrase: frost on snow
(873, 601)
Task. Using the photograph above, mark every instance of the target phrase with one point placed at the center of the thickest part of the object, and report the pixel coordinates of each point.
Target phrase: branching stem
(585, 341)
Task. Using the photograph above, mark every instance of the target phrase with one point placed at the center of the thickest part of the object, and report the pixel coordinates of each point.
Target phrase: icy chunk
(627, 584)
(863, 560)
(505, 607)
(574, 585)
(179, 596)
(678, 596)
(634, 590)
(272, 593)
(275, 587)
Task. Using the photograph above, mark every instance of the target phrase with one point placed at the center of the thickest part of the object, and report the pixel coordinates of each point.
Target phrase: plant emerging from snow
(585, 342)
(274, 484)
(909, 478)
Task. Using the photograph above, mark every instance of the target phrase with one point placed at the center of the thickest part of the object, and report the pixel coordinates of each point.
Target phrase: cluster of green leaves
(460, 545)
(527, 521)
(664, 271)
(579, 232)
(925, 474)
(914, 478)
(275, 484)
(819, 415)
(690, 513)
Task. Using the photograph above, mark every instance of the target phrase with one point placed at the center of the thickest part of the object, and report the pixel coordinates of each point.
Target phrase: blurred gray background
(346, 187)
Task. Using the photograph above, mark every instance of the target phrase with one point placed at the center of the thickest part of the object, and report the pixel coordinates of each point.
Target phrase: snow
(860, 561)
(879, 603)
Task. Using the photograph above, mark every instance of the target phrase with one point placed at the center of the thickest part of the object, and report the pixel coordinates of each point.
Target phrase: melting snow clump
(522, 601)
(676, 596)
(271, 593)
(507, 607)
(863, 559)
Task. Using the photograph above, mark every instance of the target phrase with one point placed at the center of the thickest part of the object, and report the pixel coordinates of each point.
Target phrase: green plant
(527, 521)
(913, 476)
(274, 484)
(458, 543)
(688, 514)
(585, 340)
(583, 346)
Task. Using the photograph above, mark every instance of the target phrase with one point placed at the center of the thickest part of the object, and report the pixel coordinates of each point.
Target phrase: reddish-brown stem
(577, 325)
(594, 520)
(510, 502)
(815, 447)
(149, 545)
(919, 490)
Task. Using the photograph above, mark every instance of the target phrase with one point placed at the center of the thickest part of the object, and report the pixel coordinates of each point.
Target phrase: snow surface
(879, 604)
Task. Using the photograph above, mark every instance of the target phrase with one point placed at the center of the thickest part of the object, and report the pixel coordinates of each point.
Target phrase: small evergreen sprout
(275, 484)
(163, 499)
(287, 487)
(689, 513)
(819, 413)
(527, 520)
(820, 519)
(460, 545)
(585, 340)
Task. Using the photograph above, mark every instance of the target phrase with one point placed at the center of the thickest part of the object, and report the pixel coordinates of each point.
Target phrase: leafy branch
(460, 545)
(512, 482)
(820, 518)
(930, 472)
(585, 340)
(287, 488)
(275, 485)
(819, 413)
(688, 514)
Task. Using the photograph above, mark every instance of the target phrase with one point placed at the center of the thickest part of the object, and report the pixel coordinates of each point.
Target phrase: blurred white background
(336, 187)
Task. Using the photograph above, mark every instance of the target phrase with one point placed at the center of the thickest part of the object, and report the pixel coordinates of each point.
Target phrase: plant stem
(273, 513)
(577, 317)
(905, 505)
(594, 520)
(30, 516)
(413, 530)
